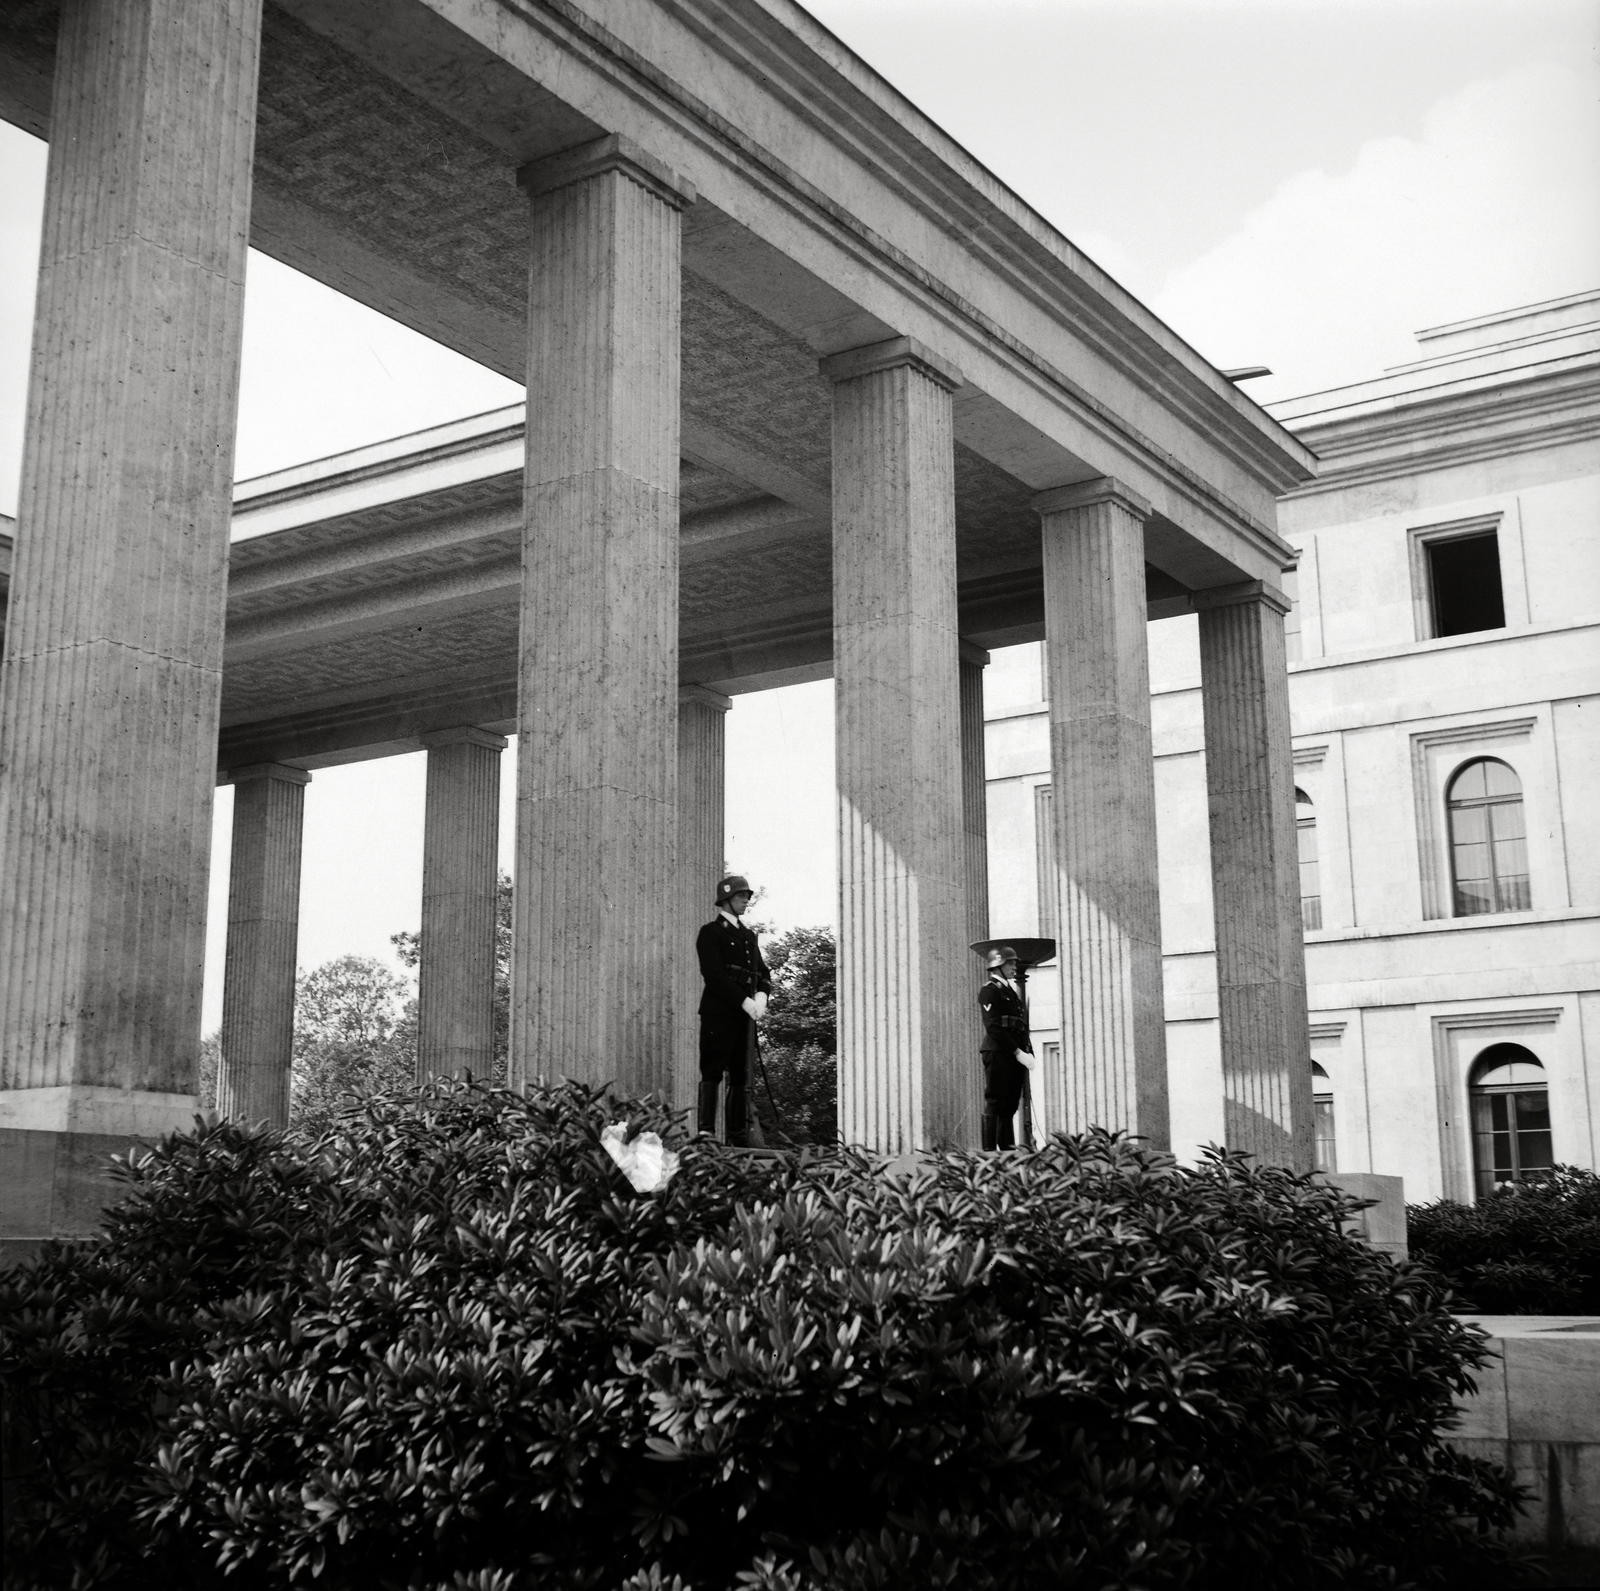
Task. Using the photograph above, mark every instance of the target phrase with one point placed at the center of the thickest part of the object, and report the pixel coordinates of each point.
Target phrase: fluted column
(113, 652)
(975, 815)
(460, 885)
(1255, 887)
(702, 821)
(597, 888)
(904, 1067)
(263, 940)
(1113, 1029)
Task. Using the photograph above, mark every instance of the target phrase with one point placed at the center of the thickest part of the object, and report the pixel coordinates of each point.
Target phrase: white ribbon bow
(646, 1162)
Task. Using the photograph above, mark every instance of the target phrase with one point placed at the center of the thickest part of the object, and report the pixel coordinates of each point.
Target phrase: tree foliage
(355, 1033)
(447, 1346)
(798, 1040)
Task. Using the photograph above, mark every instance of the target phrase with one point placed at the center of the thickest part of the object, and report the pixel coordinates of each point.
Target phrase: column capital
(704, 696)
(269, 770)
(594, 159)
(972, 653)
(1085, 494)
(854, 363)
(1236, 596)
(462, 735)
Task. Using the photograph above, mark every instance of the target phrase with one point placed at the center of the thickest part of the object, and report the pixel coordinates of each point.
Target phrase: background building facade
(1445, 700)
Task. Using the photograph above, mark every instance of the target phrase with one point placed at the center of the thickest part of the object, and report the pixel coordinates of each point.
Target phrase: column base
(55, 1150)
(1384, 1224)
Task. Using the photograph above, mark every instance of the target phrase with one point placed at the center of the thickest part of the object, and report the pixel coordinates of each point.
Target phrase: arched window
(1305, 822)
(1488, 847)
(1510, 1117)
(1322, 1118)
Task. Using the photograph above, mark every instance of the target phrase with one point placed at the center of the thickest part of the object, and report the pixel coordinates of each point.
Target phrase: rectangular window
(1045, 853)
(1310, 879)
(1464, 591)
(1291, 620)
(1322, 1129)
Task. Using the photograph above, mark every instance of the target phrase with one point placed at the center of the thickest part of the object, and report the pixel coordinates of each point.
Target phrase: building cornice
(1409, 437)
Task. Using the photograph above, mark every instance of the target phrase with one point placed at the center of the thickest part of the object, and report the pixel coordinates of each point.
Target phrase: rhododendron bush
(473, 1339)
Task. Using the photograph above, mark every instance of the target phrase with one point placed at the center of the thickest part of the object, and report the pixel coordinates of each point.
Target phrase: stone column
(263, 940)
(975, 814)
(702, 806)
(460, 888)
(1261, 958)
(597, 912)
(113, 652)
(1113, 1027)
(904, 1075)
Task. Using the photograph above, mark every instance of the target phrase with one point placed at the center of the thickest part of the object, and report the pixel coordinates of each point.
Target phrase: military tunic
(734, 971)
(1005, 1032)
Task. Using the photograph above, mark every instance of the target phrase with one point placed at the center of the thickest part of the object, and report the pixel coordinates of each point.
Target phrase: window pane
(1468, 784)
(1533, 1154)
(1322, 1128)
(1498, 779)
(1501, 1159)
(1510, 857)
(1310, 911)
(1514, 895)
(1469, 825)
(1533, 1110)
(1464, 574)
(1505, 819)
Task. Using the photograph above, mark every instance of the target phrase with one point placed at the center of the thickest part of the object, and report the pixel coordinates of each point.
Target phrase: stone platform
(1537, 1411)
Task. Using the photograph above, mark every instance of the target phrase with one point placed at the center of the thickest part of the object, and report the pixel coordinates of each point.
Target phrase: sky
(1296, 183)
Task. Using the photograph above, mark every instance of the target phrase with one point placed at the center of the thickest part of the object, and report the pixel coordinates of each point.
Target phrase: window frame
(1487, 804)
(1421, 538)
(1327, 1117)
(1301, 824)
(1484, 1180)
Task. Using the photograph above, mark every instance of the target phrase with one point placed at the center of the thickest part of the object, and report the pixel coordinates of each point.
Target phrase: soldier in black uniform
(735, 999)
(1005, 1040)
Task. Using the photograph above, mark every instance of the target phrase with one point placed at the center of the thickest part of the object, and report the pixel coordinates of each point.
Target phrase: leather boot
(990, 1123)
(1006, 1132)
(738, 1130)
(708, 1105)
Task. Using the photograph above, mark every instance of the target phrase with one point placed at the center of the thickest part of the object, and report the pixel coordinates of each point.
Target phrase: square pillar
(263, 943)
(1113, 1025)
(109, 698)
(597, 911)
(702, 829)
(905, 1058)
(975, 817)
(1255, 874)
(460, 888)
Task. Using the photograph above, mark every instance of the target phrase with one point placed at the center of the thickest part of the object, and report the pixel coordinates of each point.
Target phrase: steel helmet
(732, 885)
(998, 957)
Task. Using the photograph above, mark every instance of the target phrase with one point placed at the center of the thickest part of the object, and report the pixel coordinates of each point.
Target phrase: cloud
(1497, 204)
